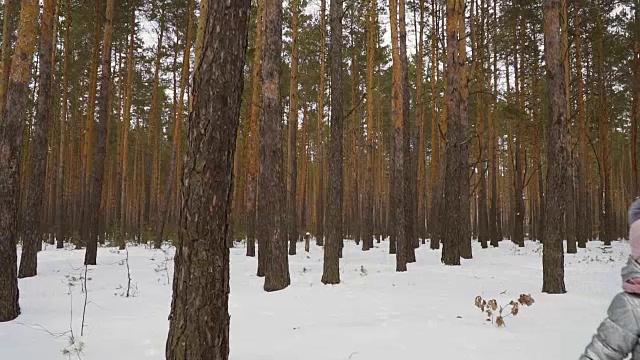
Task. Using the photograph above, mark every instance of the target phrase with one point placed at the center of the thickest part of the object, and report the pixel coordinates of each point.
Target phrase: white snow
(374, 314)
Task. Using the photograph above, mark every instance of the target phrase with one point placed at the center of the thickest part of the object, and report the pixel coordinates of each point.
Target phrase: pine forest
(197, 155)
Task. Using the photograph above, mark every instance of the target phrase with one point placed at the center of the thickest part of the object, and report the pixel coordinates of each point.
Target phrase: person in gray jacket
(617, 336)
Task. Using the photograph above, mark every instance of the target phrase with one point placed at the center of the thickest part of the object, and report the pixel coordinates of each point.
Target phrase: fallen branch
(86, 294)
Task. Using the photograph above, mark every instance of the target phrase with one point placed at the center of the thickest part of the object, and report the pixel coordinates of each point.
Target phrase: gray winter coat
(617, 336)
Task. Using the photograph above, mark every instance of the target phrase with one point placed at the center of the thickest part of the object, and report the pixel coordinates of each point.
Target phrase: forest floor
(374, 314)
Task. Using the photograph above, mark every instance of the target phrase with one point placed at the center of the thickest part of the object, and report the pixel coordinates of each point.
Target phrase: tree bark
(177, 124)
(320, 133)
(32, 233)
(420, 127)
(5, 60)
(465, 196)
(128, 96)
(89, 134)
(293, 130)
(570, 216)
(271, 206)
(10, 145)
(95, 197)
(253, 140)
(435, 137)
(301, 201)
(331, 268)
(60, 195)
(398, 185)
(154, 132)
(199, 318)
(408, 175)
(557, 153)
(494, 128)
(537, 158)
(483, 149)
(606, 213)
(583, 197)
(367, 242)
(455, 164)
(636, 100)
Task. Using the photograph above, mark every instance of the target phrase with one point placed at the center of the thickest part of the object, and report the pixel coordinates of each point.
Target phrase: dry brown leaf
(478, 301)
(515, 308)
(526, 299)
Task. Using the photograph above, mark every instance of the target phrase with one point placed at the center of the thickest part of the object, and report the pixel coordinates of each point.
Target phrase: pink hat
(634, 240)
(634, 229)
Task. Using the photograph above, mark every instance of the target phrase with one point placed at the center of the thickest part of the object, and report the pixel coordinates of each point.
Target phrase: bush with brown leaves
(497, 313)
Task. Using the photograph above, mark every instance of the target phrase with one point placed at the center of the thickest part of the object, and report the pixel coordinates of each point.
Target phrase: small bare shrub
(497, 313)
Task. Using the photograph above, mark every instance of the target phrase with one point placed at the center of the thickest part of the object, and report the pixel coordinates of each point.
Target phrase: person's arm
(618, 334)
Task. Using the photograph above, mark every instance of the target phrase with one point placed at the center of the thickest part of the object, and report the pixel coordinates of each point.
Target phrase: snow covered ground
(375, 314)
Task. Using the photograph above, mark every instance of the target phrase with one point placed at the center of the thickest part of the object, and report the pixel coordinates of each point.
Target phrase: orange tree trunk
(293, 130)
(172, 170)
(128, 95)
(369, 192)
(33, 214)
(101, 138)
(320, 132)
(252, 139)
(154, 130)
(10, 144)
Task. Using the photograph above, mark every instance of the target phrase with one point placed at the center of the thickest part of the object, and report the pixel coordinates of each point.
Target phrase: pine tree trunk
(350, 214)
(398, 186)
(5, 60)
(88, 146)
(253, 140)
(154, 133)
(293, 130)
(34, 212)
(494, 128)
(331, 269)
(408, 175)
(171, 173)
(10, 145)
(455, 165)
(583, 196)
(271, 206)
(570, 216)
(199, 318)
(483, 149)
(301, 200)
(60, 195)
(557, 153)
(606, 214)
(465, 196)
(320, 132)
(635, 117)
(538, 195)
(116, 161)
(128, 96)
(517, 216)
(367, 243)
(435, 137)
(420, 126)
(101, 138)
